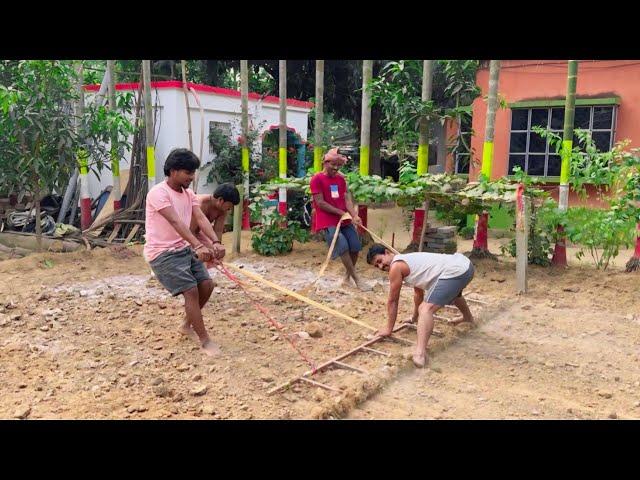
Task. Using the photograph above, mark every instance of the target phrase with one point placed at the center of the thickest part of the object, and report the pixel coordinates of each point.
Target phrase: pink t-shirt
(160, 235)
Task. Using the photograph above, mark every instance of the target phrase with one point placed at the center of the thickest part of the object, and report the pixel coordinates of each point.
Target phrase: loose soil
(93, 335)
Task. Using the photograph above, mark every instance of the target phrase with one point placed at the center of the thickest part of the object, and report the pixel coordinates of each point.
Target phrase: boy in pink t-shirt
(174, 254)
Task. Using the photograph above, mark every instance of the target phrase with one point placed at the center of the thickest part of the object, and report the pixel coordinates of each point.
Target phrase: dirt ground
(91, 335)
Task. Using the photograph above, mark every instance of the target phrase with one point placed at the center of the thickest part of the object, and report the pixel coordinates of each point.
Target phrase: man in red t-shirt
(331, 200)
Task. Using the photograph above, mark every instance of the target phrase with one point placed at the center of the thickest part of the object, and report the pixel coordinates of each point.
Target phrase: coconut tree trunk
(365, 129)
(115, 158)
(560, 251)
(634, 262)
(480, 243)
(185, 90)
(244, 190)
(420, 214)
(318, 128)
(282, 150)
(148, 124)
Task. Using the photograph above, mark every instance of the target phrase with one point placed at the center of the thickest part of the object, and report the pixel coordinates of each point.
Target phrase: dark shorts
(348, 240)
(179, 271)
(446, 290)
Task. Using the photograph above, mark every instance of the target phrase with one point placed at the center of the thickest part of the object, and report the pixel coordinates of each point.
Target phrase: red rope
(264, 311)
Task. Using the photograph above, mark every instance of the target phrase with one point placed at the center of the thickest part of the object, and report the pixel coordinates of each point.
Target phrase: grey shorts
(179, 270)
(446, 290)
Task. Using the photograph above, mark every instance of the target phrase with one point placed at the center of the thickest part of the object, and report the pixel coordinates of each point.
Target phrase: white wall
(171, 129)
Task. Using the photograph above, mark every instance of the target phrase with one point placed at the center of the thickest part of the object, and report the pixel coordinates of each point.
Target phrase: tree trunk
(319, 125)
(423, 140)
(365, 123)
(115, 155)
(36, 198)
(185, 89)
(148, 124)
(282, 143)
(634, 262)
(492, 106)
(240, 212)
(375, 166)
(420, 216)
(365, 131)
(480, 243)
(560, 250)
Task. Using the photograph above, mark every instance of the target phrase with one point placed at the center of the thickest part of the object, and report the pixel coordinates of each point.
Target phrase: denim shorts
(348, 240)
(446, 290)
(179, 270)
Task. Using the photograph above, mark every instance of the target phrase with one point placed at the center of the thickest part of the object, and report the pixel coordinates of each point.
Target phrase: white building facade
(209, 107)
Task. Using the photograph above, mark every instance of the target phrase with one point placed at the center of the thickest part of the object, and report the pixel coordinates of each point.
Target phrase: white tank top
(425, 268)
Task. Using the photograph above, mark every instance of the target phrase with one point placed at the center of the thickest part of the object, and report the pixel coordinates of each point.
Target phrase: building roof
(207, 89)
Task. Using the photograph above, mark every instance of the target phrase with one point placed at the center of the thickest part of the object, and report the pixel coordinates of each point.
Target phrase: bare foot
(459, 320)
(346, 281)
(211, 348)
(365, 287)
(186, 330)
(419, 360)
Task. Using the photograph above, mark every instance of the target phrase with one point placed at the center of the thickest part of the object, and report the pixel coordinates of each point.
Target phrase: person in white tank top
(442, 276)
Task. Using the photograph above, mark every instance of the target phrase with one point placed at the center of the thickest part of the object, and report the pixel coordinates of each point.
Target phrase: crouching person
(442, 276)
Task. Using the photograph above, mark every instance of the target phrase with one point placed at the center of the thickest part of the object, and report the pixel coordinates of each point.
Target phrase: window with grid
(534, 155)
(224, 127)
(463, 146)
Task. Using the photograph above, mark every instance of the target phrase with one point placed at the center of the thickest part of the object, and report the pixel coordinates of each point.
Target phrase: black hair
(376, 249)
(227, 192)
(181, 159)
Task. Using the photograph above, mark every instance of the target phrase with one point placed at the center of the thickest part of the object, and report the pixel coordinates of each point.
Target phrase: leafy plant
(467, 232)
(273, 238)
(41, 134)
(228, 161)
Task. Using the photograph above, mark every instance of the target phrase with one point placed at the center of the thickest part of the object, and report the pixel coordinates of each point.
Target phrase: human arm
(215, 245)
(351, 209)
(171, 216)
(395, 285)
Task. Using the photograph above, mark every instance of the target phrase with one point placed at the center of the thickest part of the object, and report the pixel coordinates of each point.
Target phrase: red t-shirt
(333, 191)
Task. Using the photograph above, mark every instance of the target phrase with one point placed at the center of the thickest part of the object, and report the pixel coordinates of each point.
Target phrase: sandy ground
(91, 335)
